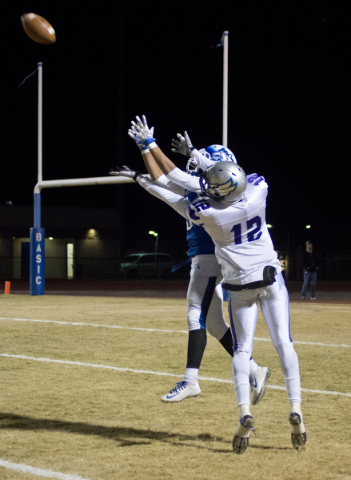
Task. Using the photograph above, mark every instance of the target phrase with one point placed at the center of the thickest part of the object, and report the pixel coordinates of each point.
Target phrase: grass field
(82, 377)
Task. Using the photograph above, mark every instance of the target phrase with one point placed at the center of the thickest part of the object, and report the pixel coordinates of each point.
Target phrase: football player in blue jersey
(204, 295)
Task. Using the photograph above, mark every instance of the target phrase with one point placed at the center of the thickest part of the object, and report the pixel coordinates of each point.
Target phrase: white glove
(133, 133)
(183, 145)
(125, 172)
(144, 133)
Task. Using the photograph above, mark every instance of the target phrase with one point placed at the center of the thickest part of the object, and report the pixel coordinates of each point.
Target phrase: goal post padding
(37, 261)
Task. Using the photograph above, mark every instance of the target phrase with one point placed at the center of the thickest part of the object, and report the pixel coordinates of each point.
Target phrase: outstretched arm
(175, 200)
(199, 161)
(146, 136)
(150, 164)
(196, 160)
(152, 167)
(166, 166)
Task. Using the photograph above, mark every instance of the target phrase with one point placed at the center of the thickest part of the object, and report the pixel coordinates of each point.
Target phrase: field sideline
(82, 378)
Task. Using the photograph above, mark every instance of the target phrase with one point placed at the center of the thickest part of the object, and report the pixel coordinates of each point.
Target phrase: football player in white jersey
(232, 211)
(204, 295)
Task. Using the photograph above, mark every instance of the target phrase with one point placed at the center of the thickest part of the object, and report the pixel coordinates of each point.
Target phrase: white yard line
(81, 324)
(149, 372)
(21, 467)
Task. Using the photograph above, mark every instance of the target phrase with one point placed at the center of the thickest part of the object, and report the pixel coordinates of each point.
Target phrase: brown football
(38, 29)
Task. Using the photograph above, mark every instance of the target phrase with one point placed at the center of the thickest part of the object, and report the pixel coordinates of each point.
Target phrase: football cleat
(181, 391)
(298, 433)
(258, 382)
(241, 438)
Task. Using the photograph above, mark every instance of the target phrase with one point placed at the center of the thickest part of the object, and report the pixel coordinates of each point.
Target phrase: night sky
(289, 103)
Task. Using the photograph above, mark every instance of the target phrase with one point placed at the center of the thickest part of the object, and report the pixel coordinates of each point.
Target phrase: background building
(80, 242)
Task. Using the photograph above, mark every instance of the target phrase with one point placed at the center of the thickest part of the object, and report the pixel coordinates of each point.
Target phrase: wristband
(136, 175)
(147, 141)
(152, 145)
(145, 150)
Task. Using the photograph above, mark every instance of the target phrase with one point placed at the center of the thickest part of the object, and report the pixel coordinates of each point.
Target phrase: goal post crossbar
(75, 182)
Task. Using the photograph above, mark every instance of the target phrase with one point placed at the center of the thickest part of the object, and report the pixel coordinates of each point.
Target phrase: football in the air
(38, 29)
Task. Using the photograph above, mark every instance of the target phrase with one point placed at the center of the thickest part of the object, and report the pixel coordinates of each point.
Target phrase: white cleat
(298, 432)
(258, 382)
(181, 391)
(241, 438)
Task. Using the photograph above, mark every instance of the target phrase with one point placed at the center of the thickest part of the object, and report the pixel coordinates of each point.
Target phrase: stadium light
(269, 225)
(308, 226)
(155, 234)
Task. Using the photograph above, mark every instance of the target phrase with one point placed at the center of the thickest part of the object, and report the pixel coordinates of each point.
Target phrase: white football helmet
(225, 182)
(218, 153)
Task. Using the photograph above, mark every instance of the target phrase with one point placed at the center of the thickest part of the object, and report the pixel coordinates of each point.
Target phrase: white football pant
(205, 298)
(243, 308)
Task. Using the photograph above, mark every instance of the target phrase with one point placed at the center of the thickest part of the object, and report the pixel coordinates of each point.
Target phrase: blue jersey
(199, 241)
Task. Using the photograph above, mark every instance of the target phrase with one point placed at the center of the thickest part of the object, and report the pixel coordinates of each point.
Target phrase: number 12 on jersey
(252, 233)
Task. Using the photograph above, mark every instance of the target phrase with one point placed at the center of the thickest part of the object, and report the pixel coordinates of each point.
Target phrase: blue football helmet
(218, 153)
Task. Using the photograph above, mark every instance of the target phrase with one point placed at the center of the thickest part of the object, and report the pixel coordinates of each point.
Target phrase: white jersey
(243, 245)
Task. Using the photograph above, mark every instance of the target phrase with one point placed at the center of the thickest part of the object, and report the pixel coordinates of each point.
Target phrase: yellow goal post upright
(37, 233)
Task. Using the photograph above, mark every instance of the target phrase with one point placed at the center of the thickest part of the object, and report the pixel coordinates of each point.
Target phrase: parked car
(142, 265)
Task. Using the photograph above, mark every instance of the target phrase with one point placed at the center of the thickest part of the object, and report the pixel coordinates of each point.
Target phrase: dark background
(288, 104)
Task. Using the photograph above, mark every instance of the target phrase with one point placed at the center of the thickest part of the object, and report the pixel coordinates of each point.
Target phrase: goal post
(37, 234)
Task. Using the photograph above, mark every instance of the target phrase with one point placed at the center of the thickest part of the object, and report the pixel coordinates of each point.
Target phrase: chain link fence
(334, 266)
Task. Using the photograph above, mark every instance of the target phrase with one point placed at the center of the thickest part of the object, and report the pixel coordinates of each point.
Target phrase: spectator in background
(310, 264)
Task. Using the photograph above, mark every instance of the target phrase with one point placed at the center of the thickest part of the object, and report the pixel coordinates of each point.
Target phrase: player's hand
(133, 133)
(144, 133)
(182, 144)
(124, 172)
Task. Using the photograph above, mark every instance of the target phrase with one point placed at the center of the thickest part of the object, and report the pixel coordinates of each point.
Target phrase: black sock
(227, 342)
(196, 347)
